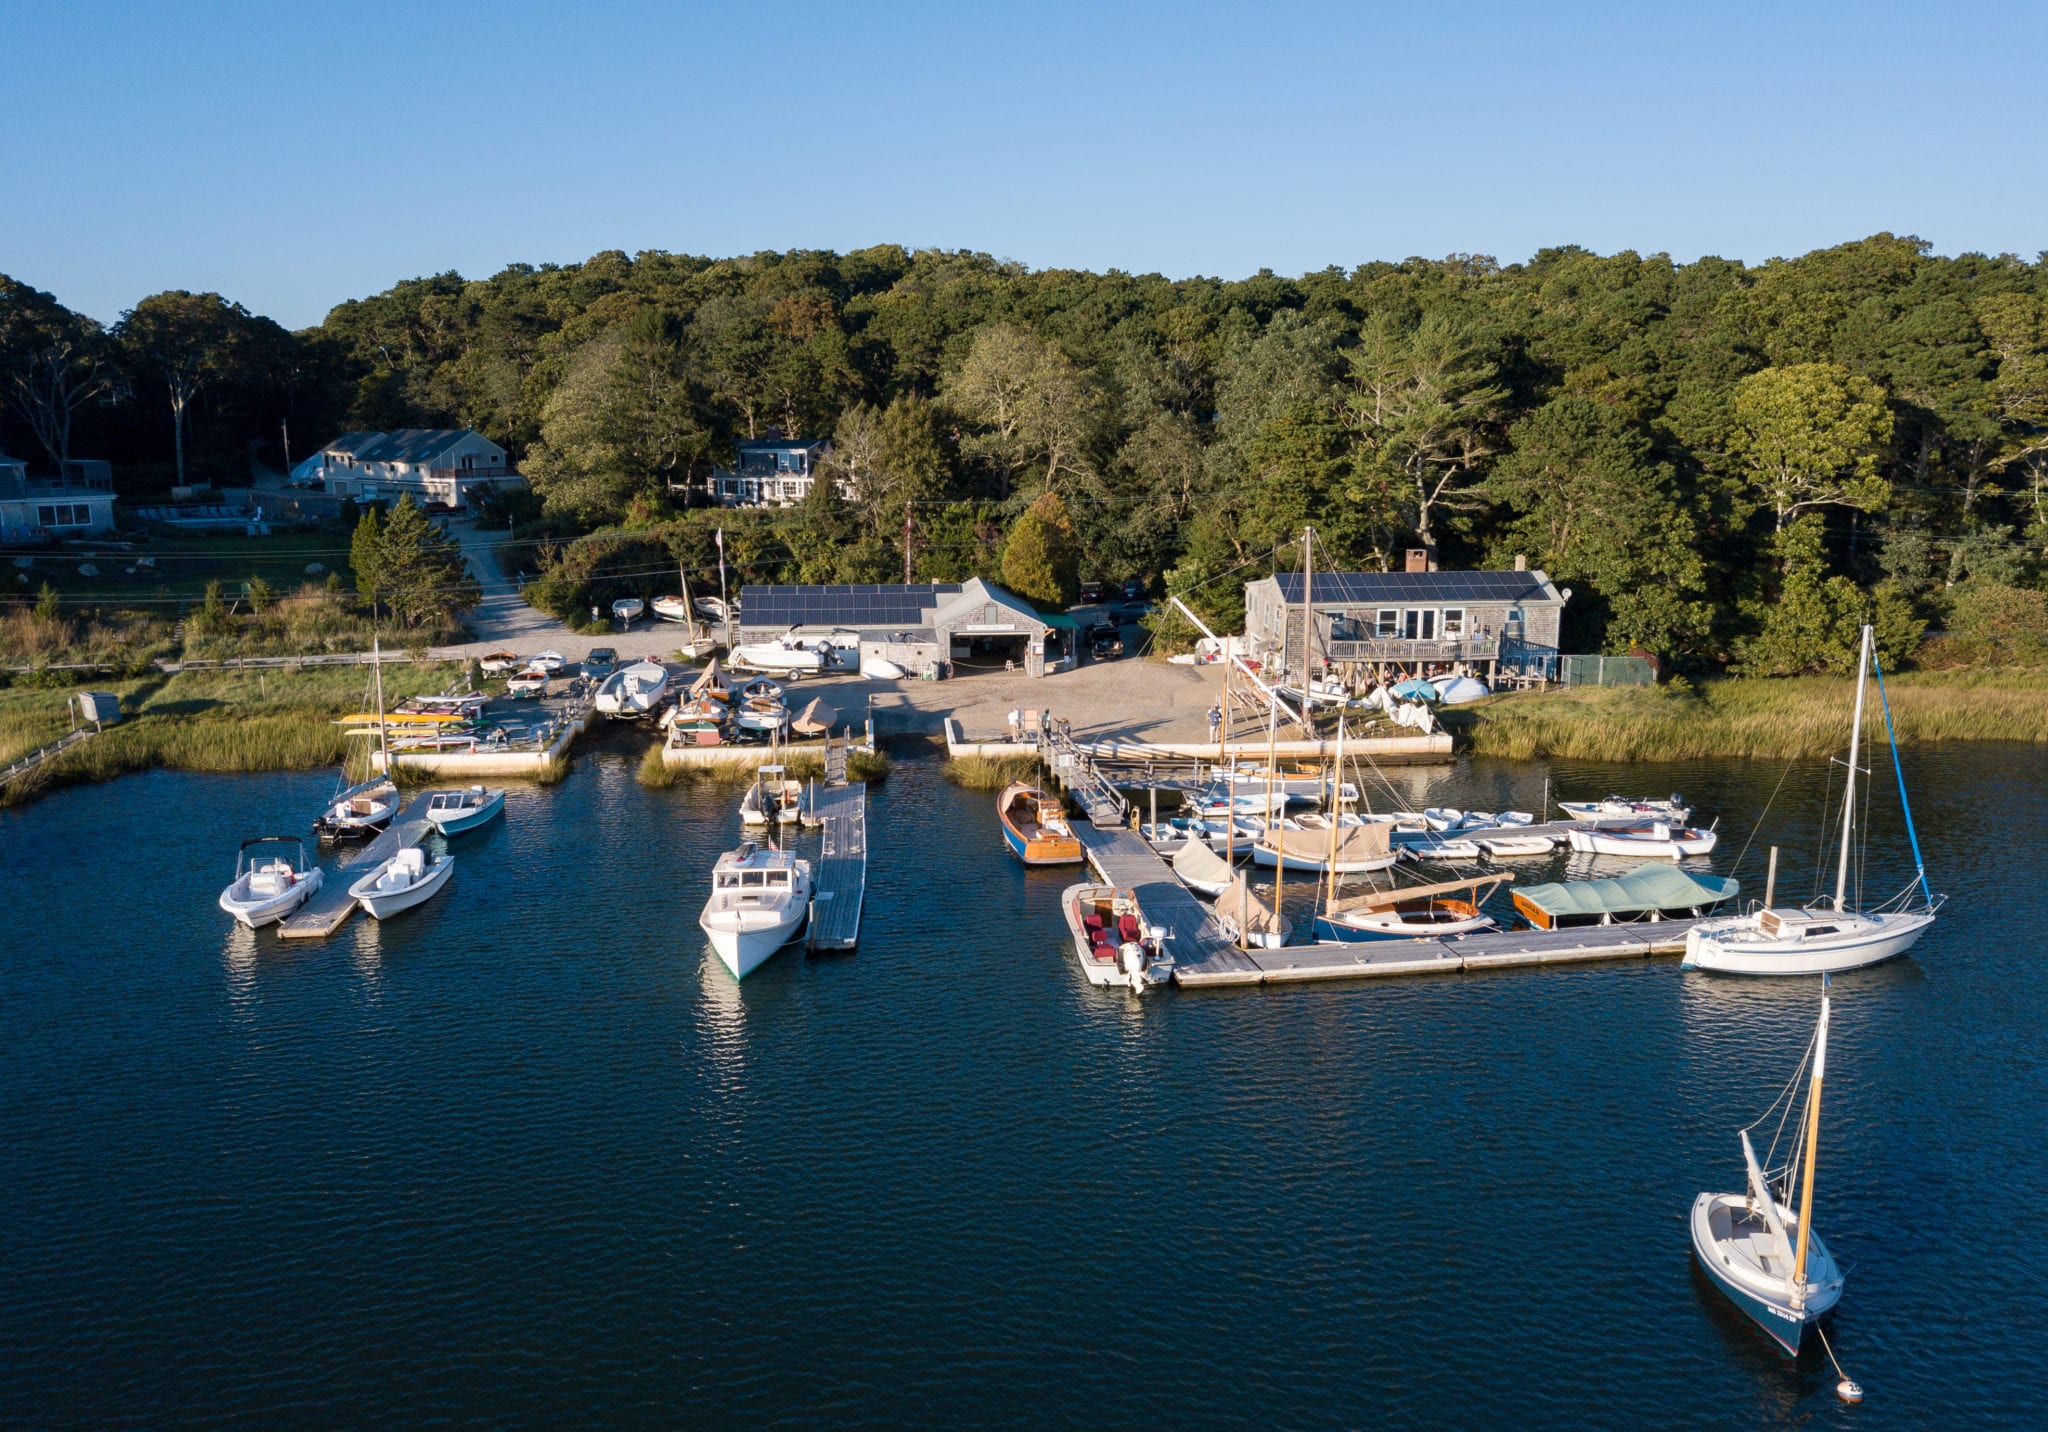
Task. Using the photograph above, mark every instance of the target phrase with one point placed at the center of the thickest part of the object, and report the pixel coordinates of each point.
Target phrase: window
(64, 514)
(1454, 623)
(1419, 624)
(1388, 622)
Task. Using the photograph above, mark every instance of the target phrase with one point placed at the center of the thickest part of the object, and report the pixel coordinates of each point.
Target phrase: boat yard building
(921, 626)
(1381, 624)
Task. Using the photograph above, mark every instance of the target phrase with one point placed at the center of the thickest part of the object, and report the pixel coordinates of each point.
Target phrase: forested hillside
(1726, 464)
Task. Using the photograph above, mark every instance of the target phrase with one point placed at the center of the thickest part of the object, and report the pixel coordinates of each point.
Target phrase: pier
(840, 879)
(329, 909)
(1193, 934)
(1504, 949)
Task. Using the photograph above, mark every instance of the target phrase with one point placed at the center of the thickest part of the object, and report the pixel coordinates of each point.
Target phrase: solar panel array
(862, 605)
(1368, 588)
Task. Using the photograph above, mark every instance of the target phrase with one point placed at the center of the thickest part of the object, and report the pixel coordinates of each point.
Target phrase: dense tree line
(1725, 463)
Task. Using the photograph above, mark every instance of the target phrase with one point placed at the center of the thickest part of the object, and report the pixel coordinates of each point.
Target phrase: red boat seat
(1127, 926)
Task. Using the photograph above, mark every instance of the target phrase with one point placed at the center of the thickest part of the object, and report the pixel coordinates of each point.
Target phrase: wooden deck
(840, 880)
(329, 910)
(1193, 935)
(1339, 960)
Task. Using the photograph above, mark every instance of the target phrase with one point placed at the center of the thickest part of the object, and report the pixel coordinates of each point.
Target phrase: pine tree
(1042, 561)
(366, 557)
(422, 573)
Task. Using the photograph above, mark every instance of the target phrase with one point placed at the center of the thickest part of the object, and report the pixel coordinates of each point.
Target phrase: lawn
(185, 563)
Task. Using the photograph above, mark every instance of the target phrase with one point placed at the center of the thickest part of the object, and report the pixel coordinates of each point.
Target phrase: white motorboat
(1628, 810)
(269, 883)
(628, 610)
(407, 879)
(632, 691)
(359, 812)
(1344, 849)
(1438, 848)
(500, 662)
(784, 657)
(1112, 942)
(671, 609)
(1299, 789)
(549, 661)
(1201, 869)
(1657, 841)
(530, 682)
(759, 901)
(880, 668)
(1515, 847)
(773, 797)
(758, 707)
(1826, 938)
(1765, 1257)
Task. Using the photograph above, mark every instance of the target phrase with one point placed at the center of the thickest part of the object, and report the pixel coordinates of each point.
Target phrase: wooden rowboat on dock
(1035, 827)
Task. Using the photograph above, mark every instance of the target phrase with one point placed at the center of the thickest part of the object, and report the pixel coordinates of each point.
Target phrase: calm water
(529, 1157)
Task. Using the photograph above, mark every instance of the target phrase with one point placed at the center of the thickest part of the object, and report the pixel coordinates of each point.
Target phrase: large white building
(78, 502)
(440, 467)
(771, 472)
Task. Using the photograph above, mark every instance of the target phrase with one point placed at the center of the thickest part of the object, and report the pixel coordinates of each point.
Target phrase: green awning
(1059, 619)
(1647, 887)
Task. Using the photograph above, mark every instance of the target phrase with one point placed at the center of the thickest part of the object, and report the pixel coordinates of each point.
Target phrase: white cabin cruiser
(407, 879)
(632, 691)
(759, 900)
(785, 657)
(269, 885)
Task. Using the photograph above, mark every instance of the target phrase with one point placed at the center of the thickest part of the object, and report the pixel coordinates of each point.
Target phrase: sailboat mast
(1849, 794)
(1308, 581)
(1272, 819)
(1229, 777)
(377, 668)
(1336, 812)
(1820, 1065)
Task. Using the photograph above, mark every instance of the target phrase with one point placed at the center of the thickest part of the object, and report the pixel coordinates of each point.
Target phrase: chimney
(1521, 563)
(1418, 559)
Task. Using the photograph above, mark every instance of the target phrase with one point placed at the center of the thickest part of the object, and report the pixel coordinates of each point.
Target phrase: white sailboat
(1765, 1257)
(759, 901)
(1819, 939)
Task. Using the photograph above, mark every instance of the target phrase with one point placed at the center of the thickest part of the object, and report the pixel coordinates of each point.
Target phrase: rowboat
(1035, 827)
(1201, 869)
(500, 662)
(269, 885)
(628, 610)
(671, 609)
(1667, 841)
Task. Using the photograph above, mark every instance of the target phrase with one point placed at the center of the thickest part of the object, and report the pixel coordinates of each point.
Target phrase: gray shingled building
(1407, 623)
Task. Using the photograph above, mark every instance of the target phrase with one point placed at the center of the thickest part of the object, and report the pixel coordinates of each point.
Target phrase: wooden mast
(383, 736)
(1336, 812)
(1820, 1065)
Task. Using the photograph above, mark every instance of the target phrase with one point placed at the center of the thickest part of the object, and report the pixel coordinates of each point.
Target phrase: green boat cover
(1651, 886)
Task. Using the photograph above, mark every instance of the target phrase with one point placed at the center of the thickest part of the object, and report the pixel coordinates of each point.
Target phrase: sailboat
(1765, 1257)
(1818, 939)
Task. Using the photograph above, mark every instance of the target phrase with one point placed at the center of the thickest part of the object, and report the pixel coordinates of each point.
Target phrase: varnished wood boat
(1035, 827)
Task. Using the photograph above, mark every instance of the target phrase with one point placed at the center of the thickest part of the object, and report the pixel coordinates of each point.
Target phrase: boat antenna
(1905, 806)
(1849, 799)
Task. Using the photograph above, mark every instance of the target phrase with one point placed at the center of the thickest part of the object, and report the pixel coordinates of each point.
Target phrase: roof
(779, 444)
(872, 604)
(354, 442)
(1647, 887)
(1367, 588)
(416, 445)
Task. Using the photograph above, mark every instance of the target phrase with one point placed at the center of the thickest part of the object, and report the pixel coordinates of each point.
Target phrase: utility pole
(906, 541)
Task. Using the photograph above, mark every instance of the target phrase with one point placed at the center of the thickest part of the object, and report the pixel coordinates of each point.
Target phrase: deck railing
(1399, 649)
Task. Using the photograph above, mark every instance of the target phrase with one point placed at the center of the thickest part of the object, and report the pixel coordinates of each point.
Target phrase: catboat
(1035, 827)
(1412, 912)
(816, 719)
(1112, 942)
(500, 662)
(773, 797)
(1827, 938)
(452, 812)
(759, 901)
(1757, 1250)
(1349, 849)
(632, 691)
(1248, 919)
(359, 811)
(671, 609)
(1668, 841)
(530, 682)
(628, 610)
(269, 885)
(1201, 869)
(407, 879)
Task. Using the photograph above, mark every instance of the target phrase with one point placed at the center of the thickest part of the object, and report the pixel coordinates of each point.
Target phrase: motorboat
(632, 691)
(407, 879)
(1649, 892)
(1343, 849)
(1671, 842)
(628, 610)
(452, 812)
(549, 661)
(1201, 869)
(359, 812)
(1035, 826)
(1248, 919)
(497, 663)
(773, 798)
(1112, 942)
(880, 668)
(1320, 693)
(271, 880)
(1827, 937)
(1299, 789)
(784, 657)
(532, 681)
(1628, 810)
(1412, 912)
(1218, 803)
(759, 901)
(671, 609)
(1761, 1253)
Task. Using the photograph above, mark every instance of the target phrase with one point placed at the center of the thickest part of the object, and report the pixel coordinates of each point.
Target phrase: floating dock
(840, 878)
(1194, 937)
(330, 908)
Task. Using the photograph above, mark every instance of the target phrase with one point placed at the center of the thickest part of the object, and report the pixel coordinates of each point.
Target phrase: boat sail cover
(1199, 863)
(1354, 842)
(711, 682)
(1243, 905)
(1652, 886)
(817, 718)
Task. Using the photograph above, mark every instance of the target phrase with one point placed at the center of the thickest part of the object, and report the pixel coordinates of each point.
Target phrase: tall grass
(657, 774)
(992, 773)
(1758, 718)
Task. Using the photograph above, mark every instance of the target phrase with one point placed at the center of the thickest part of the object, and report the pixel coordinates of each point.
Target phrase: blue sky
(291, 156)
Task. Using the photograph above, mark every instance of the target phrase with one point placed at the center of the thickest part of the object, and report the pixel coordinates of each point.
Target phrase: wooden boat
(1112, 943)
(452, 812)
(1450, 907)
(671, 609)
(359, 812)
(1649, 892)
(407, 879)
(497, 663)
(1766, 1258)
(269, 884)
(1035, 827)
(758, 708)
(530, 682)
(1826, 938)
(697, 723)
(760, 899)
(1670, 842)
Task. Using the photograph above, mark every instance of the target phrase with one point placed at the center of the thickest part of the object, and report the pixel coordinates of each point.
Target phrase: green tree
(52, 363)
(366, 557)
(261, 594)
(1042, 559)
(1813, 622)
(1812, 435)
(213, 611)
(1032, 405)
(187, 342)
(422, 572)
(47, 608)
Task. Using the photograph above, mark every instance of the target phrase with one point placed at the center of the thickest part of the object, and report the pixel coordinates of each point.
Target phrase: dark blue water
(528, 1157)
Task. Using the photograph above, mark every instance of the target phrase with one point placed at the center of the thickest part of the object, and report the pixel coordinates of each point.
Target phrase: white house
(78, 502)
(771, 472)
(438, 466)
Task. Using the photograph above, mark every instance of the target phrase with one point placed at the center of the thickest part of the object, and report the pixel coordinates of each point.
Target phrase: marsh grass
(991, 773)
(657, 775)
(1763, 718)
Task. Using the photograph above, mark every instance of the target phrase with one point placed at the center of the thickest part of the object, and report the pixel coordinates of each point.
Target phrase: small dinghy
(1112, 942)
(1202, 870)
(269, 883)
(880, 668)
(500, 662)
(758, 708)
(1668, 842)
(1440, 849)
(632, 691)
(671, 609)
(1442, 818)
(1628, 810)
(452, 812)
(628, 610)
(773, 798)
(700, 722)
(1765, 1257)
(549, 661)
(1412, 913)
(359, 812)
(1515, 847)
(405, 880)
(1035, 827)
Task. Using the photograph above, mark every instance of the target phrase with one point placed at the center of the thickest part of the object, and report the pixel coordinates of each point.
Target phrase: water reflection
(238, 956)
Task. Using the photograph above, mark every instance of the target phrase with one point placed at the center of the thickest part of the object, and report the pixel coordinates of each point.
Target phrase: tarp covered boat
(1649, 892)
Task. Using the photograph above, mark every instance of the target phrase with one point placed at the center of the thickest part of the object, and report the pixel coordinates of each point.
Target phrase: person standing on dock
(1215, 723)
(1016, 724)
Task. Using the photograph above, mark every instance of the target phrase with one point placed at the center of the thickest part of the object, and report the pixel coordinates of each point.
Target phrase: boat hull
(1708, 948)
(1771, 1311)
(744, 951)
(1034, 848)
(383, 904)
(1601, 842)
(1392, 929)
(257, 913)
(1265, 855)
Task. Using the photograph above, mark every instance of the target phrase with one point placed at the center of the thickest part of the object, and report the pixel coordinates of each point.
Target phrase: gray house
(918, 626)
(77, 502)
(1407, 623)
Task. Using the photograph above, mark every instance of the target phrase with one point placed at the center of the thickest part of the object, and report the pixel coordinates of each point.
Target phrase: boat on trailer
(269, 883)
(632, 691)
(1035, 826)
(1112, 943)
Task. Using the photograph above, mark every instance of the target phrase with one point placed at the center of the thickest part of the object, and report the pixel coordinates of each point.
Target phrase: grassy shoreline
(657, 774)
(1757, 718)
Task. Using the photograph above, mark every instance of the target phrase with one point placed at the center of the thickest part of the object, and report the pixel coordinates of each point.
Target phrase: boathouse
(948, 627)
(1381, 624)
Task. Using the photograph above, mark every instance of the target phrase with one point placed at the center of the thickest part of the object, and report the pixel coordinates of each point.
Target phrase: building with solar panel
(1417, 623)
(919, 626)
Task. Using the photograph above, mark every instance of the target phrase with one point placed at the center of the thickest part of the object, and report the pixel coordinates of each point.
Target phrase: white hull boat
(268, 888)
(1654, 842)
(1432, 920)
(1112, 943)
(628, 610)
(759, 902)
(772, 799)
(782, 658)
(633, 691)
(1426, 850)
(1202, 870)
(360, 811)
(498, 663)
(551, 662)
(880, 668)
(405, 880)
(530, 682)
(452, 812)
(671, 609)
(1516, 847)
(1249, 920)
(1628, 810)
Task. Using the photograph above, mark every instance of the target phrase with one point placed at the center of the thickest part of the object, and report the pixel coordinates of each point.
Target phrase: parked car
(1105, 641)
(1134, 589)
(600, 663)
(1091, 594)
(1138, 610)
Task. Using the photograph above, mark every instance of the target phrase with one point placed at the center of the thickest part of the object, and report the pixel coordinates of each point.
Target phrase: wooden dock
(1194, 937)
(330, 909)
(1506, 949)
(839, 880)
